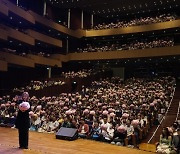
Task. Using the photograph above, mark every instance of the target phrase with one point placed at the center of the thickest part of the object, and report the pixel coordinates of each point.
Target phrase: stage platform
(44, 143)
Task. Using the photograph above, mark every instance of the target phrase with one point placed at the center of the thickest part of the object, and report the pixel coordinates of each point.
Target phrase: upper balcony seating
(137, 22)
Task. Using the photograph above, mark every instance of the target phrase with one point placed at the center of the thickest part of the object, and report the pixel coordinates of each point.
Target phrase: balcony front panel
(17, 60)
(45, 61)
(155, 52)
(17, 35)
(3, 65)
(134, 29)
(3, 34)
(44, 38)
(63, 58)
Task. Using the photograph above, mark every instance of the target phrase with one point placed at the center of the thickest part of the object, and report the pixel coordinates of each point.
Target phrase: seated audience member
(137, 129)
(175, 137)
(83, 130)
(130, 131)
(107, 133)
(165, 142)
(96, 131)
(34, 122)
(119, 135)
(53, 125)
(73, 123)
(66, 123)
(105, 123)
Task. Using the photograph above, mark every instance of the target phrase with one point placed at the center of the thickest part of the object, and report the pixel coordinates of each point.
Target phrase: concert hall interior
(89, 76)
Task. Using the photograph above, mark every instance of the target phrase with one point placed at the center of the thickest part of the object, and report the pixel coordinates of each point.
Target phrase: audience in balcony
(80, 74)
(110, 110)
(137, 22)
(38, 85)
(133, 45)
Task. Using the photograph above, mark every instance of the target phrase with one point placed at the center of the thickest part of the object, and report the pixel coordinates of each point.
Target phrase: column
(44, 9)
(49, 72)
(67, 46)
(92, 20)
(82, 19)
(69, 18)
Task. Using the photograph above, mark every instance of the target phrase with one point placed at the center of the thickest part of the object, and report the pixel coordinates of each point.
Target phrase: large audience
(80, 74)
(137, 22)
(133, 45)
(39, 85)
(110, 110)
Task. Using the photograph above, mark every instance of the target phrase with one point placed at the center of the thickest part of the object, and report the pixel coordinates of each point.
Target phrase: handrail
(162, 118)
(178, 112)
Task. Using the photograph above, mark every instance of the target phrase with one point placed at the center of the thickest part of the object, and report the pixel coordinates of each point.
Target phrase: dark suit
(22, 124)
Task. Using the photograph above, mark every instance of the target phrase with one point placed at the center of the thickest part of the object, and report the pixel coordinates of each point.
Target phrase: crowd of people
(110, 110)
(24, 54)
(137, 22)
(169, 139)
(80, 74)
(38, 85)
(133, 45)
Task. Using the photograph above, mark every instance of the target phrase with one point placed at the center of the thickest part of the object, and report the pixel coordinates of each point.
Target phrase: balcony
(134, 29)
(44, 38)
(45, 61)
(17, 35)
(155, 52)
(17, 60)
(7, 7)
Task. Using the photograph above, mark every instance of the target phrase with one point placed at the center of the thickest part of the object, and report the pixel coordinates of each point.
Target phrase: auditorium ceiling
(111, 8)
